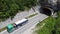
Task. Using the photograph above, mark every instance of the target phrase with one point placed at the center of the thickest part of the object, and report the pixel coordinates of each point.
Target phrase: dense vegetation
(8, 8)
(57, 25)
(52, 26)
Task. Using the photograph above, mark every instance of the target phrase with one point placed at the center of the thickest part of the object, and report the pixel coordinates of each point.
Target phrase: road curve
(31, 22)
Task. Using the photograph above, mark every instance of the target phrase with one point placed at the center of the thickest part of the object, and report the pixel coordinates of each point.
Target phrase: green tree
(9, 8)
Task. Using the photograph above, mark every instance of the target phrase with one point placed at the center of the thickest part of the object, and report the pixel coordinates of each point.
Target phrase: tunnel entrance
(46, 11)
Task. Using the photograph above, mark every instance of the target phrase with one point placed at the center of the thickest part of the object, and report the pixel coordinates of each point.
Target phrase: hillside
(8, 8)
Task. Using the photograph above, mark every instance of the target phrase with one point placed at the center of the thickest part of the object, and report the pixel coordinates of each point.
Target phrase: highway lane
(31, 22)
(18, 16)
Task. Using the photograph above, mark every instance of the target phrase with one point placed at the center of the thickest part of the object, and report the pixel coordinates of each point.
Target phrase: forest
(9, 8)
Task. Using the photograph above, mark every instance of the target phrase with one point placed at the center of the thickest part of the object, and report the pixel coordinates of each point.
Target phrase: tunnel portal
(47, 11)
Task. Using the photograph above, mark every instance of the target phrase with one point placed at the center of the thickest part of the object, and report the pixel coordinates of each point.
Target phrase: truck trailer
(14, 26)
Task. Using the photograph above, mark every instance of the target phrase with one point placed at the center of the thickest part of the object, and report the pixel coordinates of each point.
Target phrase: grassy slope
(49, 26)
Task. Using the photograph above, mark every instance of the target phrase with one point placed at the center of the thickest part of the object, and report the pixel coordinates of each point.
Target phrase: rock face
(50, 4)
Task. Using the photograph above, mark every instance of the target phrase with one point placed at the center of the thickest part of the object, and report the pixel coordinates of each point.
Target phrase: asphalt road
(18, 16)
(30, 23)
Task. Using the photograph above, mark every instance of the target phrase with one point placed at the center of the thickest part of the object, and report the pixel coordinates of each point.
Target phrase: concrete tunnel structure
(49, 7)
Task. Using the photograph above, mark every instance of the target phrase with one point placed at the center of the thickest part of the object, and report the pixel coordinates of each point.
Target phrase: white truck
(14, 26)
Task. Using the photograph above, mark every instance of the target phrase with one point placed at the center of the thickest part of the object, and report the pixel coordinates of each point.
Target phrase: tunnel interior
(46, 11)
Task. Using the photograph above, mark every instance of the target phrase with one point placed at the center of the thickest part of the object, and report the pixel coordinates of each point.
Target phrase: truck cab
(10, 28)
